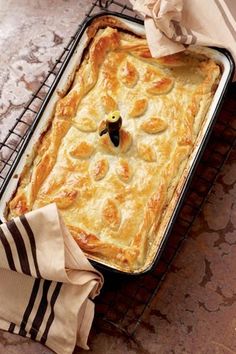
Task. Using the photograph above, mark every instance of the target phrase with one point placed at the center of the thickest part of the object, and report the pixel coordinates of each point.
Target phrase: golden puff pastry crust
(113, 198)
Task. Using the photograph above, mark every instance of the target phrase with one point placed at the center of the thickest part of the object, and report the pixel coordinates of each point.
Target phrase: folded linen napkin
(171, 25)
(46, 281)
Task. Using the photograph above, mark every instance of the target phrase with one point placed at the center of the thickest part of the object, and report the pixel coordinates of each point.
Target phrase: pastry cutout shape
(164, 85)
(99, 169)
(86, 124)
(124, 170)
(109, 104)
(139, 108)
(128, 74)
(154, 125)
(82, 151)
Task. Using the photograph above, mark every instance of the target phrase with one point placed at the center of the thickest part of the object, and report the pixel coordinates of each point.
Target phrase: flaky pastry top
(112, 198)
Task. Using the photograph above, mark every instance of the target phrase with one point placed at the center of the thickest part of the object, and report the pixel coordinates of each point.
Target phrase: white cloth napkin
(46, 282)
(171, 25)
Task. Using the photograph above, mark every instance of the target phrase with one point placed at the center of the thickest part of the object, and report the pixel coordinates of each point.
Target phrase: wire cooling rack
(123, 299)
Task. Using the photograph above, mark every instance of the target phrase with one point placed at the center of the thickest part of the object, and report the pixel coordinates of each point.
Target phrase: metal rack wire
(124, 300)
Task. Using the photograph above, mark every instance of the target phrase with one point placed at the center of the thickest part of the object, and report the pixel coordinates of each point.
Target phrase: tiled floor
(194, 311)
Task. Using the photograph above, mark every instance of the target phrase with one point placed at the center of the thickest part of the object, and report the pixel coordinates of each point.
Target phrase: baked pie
(114, 197)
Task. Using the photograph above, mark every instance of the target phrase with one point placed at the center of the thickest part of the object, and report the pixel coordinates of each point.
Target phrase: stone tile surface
(194, 311)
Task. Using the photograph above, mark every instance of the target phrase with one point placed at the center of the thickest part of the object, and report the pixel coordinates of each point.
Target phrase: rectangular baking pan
(62, 84)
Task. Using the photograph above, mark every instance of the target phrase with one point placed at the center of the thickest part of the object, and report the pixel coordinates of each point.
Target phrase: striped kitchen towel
(46, 282)
(171, 25)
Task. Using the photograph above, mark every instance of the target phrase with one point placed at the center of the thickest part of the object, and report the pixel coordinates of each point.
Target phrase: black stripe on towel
(8, 251)
(41, 310)
(20, 245)
(52, 314)
(29, 307)
(11, 327)
(192, 37)
(30, 234)
(179, 36)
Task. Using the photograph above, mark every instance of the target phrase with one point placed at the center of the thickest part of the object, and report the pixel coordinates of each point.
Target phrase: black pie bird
(113, 125)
